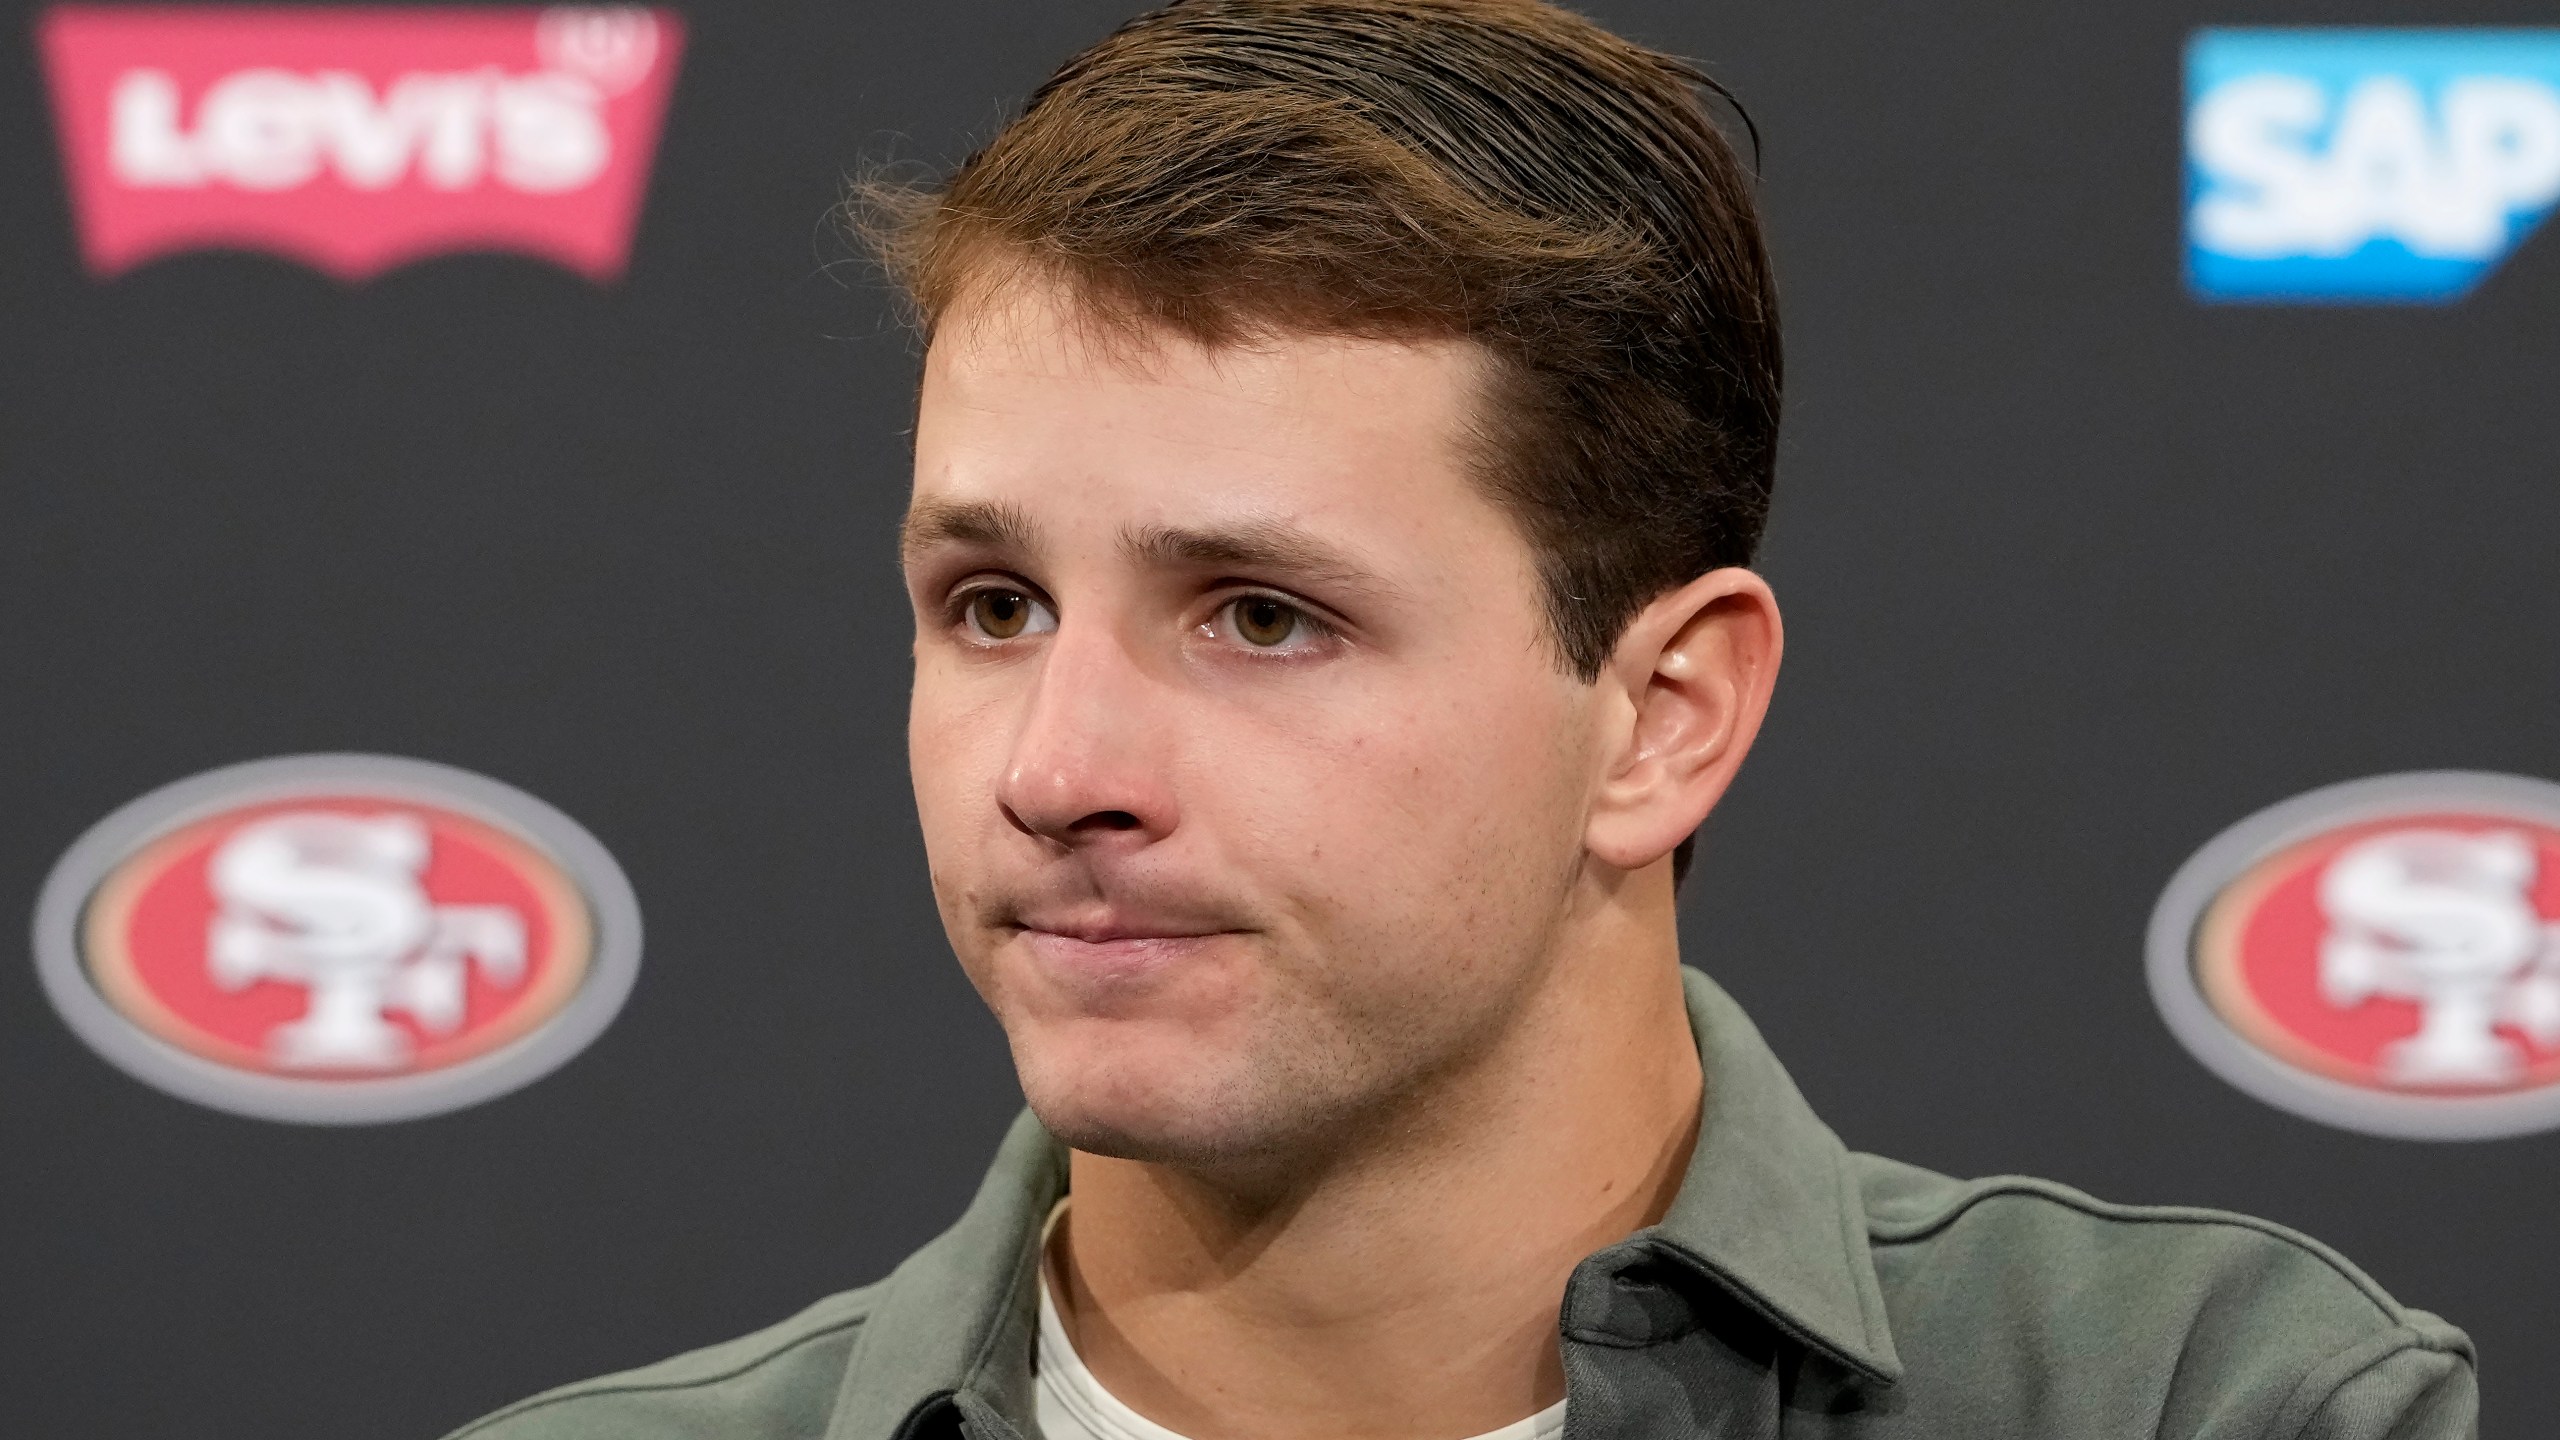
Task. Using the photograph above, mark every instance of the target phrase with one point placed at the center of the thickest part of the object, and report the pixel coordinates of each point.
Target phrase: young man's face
(1252, 788)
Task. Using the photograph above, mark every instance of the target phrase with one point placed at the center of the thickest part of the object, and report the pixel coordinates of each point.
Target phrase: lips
(1115, 950)
(1108, 930)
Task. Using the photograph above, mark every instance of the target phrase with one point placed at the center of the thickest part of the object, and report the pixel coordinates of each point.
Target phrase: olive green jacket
(1795, 1289)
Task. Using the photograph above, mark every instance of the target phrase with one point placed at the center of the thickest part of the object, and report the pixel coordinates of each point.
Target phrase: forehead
(1029, 398)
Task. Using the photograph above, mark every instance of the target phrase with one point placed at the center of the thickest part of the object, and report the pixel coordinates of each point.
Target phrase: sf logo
(2446, 920)
(337, 904)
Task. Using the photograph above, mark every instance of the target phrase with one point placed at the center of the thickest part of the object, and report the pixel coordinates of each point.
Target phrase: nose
(1088, 766)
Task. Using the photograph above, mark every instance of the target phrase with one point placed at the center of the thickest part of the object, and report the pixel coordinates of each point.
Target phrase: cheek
(1424, 821)
(955, 745)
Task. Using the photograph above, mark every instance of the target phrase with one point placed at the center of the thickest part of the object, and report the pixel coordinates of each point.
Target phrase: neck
(1409, 1288)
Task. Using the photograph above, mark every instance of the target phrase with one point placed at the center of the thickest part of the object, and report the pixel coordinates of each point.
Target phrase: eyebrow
(1253, 546)
(1267, 546)
(992, 523)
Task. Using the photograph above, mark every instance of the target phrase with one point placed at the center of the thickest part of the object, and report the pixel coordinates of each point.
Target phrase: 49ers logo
(354, 140)
(2382, 955)
(337, 938)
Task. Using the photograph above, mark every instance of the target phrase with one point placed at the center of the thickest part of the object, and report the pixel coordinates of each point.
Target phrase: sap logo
(354, 140)
(2366, 165)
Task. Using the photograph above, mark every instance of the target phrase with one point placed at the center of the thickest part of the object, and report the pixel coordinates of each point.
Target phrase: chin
(1153, 1109)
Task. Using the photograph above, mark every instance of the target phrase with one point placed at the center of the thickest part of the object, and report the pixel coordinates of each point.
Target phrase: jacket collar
(954, 1324)
(1767, 1211)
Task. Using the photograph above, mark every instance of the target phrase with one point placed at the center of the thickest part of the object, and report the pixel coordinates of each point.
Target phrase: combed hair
(1500, 171)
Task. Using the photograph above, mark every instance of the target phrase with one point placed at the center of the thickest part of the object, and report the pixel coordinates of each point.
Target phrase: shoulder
(777, 1382)
(2192, 1315)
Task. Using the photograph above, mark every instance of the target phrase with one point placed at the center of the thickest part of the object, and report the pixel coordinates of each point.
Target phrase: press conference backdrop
(2157, 450)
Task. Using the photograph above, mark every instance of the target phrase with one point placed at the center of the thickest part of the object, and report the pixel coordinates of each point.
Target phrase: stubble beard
(1322, 1084)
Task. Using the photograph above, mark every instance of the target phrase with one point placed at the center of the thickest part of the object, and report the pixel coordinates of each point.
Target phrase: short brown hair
(1498, 170)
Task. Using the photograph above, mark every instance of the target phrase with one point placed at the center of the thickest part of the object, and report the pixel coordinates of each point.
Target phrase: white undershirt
(1074, 1406)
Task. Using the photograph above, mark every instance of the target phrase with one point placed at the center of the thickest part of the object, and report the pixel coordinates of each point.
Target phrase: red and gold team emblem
(2383, 955)
(2407, 954)
(338, 934)
(348, 938)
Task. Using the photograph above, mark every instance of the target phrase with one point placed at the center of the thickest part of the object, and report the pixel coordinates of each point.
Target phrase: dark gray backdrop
(2076, 573)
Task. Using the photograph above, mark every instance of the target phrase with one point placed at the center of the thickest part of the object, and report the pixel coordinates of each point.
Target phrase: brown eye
(1000, 614)
(1263, 621)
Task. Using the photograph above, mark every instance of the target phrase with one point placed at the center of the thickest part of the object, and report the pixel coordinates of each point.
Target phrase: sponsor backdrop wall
(478, 405)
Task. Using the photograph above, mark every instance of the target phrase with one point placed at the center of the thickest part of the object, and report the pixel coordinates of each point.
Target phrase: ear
(1695, 669)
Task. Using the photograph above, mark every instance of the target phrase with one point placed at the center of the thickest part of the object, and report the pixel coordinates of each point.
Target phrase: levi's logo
(355, 140)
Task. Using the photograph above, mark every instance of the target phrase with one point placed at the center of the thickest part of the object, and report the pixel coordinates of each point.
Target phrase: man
(1343, 430)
